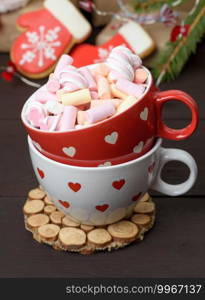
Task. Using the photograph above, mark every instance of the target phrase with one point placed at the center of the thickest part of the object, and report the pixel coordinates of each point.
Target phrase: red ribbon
(178, 31)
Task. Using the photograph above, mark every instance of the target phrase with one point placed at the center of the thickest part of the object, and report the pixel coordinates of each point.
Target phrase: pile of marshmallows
(77, 98)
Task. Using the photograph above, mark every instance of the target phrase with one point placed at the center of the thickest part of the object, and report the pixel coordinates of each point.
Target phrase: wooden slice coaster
(33, 207)
(144, 207)
(52, 227)
(56, 217)
(123, 231)
(49, 209)
(36, 194)
(68, 222)
(145, 198)
(72, 237)
(141, 219)
(99, 237)
(37, 220)
(47, 200)
(49, 232)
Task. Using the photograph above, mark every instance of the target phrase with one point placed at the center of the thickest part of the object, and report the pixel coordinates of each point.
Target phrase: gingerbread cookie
(130, 34)
(48, 33)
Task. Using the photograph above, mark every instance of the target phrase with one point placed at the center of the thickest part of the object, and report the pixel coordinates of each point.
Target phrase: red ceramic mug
(129, 134)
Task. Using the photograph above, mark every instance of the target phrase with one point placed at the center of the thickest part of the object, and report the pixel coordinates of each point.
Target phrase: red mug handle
(169, 133)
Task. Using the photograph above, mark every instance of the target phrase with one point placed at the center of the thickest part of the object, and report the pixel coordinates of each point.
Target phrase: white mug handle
(166, 155)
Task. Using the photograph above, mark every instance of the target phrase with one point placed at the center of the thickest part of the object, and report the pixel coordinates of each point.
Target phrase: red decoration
(87, 5)
(9, 72)
(178, 31)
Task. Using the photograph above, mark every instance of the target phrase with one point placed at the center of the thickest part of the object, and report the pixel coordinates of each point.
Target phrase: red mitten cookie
(131, 35)
(49, 33)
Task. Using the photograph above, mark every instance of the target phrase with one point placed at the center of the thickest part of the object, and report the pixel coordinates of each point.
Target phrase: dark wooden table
(175, 247)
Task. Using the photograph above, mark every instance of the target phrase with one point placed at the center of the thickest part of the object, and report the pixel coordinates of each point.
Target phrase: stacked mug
(97, 174)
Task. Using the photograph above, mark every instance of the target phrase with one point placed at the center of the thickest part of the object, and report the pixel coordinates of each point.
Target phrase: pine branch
(175, 55)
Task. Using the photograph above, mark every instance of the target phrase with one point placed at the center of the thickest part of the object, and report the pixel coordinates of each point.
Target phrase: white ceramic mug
(103, 195)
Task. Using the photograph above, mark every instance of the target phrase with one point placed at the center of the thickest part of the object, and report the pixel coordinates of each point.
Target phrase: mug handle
(169, 133)
(166, 155)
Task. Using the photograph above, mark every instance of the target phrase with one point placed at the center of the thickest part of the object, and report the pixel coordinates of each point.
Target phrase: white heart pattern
(144, 114)
(138, 148)
(70, 151)
(111, 138)
(37, 145)
(106, 164)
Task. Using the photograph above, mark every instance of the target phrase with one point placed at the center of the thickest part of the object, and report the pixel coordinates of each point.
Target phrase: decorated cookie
(131, 35)
(48, 33)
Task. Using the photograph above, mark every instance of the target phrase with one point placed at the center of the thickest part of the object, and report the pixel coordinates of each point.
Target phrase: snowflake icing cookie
(50, 32)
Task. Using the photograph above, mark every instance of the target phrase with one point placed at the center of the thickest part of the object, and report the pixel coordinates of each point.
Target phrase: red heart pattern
(75, 186)
(102, 208)
(118, 184)
(64, 203)
(136, 197)
(41, 173)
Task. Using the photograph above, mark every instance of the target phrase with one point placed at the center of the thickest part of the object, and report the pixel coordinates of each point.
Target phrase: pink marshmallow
(53, 85)
(44, 96)
(103, 87)
(65, 60)
(88, 76)
(95, 103)
(35, 113)
(114, 76)
(94, 95)
(68, 118)
(54, 107)
(81, 117)
(96, 114)
(140, 76)
(49, 123)
(101, 69)
(130, 88)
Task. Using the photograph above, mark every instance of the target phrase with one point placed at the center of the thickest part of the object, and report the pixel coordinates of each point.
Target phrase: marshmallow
(68, 118)
(53, 85)
(140, 76)
(95, 103)
(49, 123)
(71, 79)
(59, 93)
(64, 61)
(81, 117)
(122, 63)
(126, 104)
(76, 98)
(117, 93)
(44, 96)
(96, 114)
(113, 76)
(103, 87)
(88, 75)
(101, 69)
(130, 88)
(54, 107)
(94, 95)
(35, 113)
